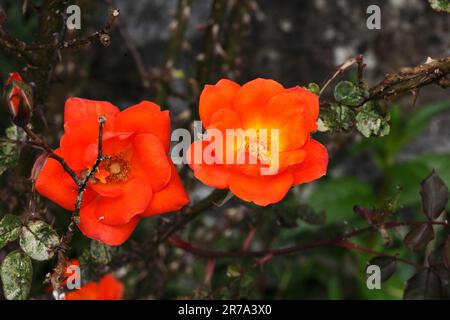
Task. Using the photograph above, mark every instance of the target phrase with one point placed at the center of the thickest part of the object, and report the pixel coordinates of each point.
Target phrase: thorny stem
(344, 66)
(357, 247)
(434, 71)
(238, 21)
(193, 212)
(66, 239)
(38, 141)
(135, 54)
(178, 30)
(338, 241)
(22, 47)
(210, 46)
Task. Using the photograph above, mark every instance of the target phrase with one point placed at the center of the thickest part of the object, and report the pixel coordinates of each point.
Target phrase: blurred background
(294, 43)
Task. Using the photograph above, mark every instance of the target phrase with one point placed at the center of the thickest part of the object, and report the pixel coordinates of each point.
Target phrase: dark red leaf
(447, 252)
(424, 285)
(387, 265)
(435, 195)
(419, 236)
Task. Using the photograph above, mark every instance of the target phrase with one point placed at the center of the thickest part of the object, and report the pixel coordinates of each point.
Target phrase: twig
(66, 239)
(357, 247)
(178, 30)
(193, 212)
(38, 141)
(393, 84)
(238, 21)
(340, 69)
(21, 46)
(210, 45)
(339, 241)
(179, 243)
(135, 54)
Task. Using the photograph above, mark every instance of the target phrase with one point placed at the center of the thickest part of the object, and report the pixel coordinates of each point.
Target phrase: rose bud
(18, 99)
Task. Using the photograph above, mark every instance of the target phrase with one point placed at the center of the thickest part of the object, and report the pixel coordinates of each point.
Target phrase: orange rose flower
(108, 288)
(260, 104)
(136, 180)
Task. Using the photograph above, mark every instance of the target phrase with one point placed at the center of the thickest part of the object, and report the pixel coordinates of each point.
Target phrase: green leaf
(387, 265)
(9, 151)
(434, 196)
(348, 93)
(314, 88)
(327, 120)
(9, 229)
(337, 196)
(344, 116)
(38, 240)
(288, 212)
(16, 273)
(336, 117)
(101, 253)
(425, 285)
(370, 122)
(419, 236)
(440, 5)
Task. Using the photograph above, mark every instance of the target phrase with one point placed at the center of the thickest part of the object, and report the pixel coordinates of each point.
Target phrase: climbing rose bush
(108, 288)
(137, 179)
(260, 104)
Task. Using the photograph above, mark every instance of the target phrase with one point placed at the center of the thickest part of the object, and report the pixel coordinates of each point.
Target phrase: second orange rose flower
(262, 105)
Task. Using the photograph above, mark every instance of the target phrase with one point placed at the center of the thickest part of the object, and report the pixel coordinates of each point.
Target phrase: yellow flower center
(260, 145)
(113, 169)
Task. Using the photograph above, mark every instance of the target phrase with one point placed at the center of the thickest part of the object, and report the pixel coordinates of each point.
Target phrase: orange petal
(55, 184)
(289, 158)
(89, 291)
(135, 198)
(216, 97)
(214, 175)
(311, 102)
(93, 228)
(79, 143)
(225, 119)
(251, 100)
(116, 142)
(110, 288)
(262, 190)
(172, 198)
(286, 112)
(151, 157)
(78, 109)
(315, 164)
(145, 117)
